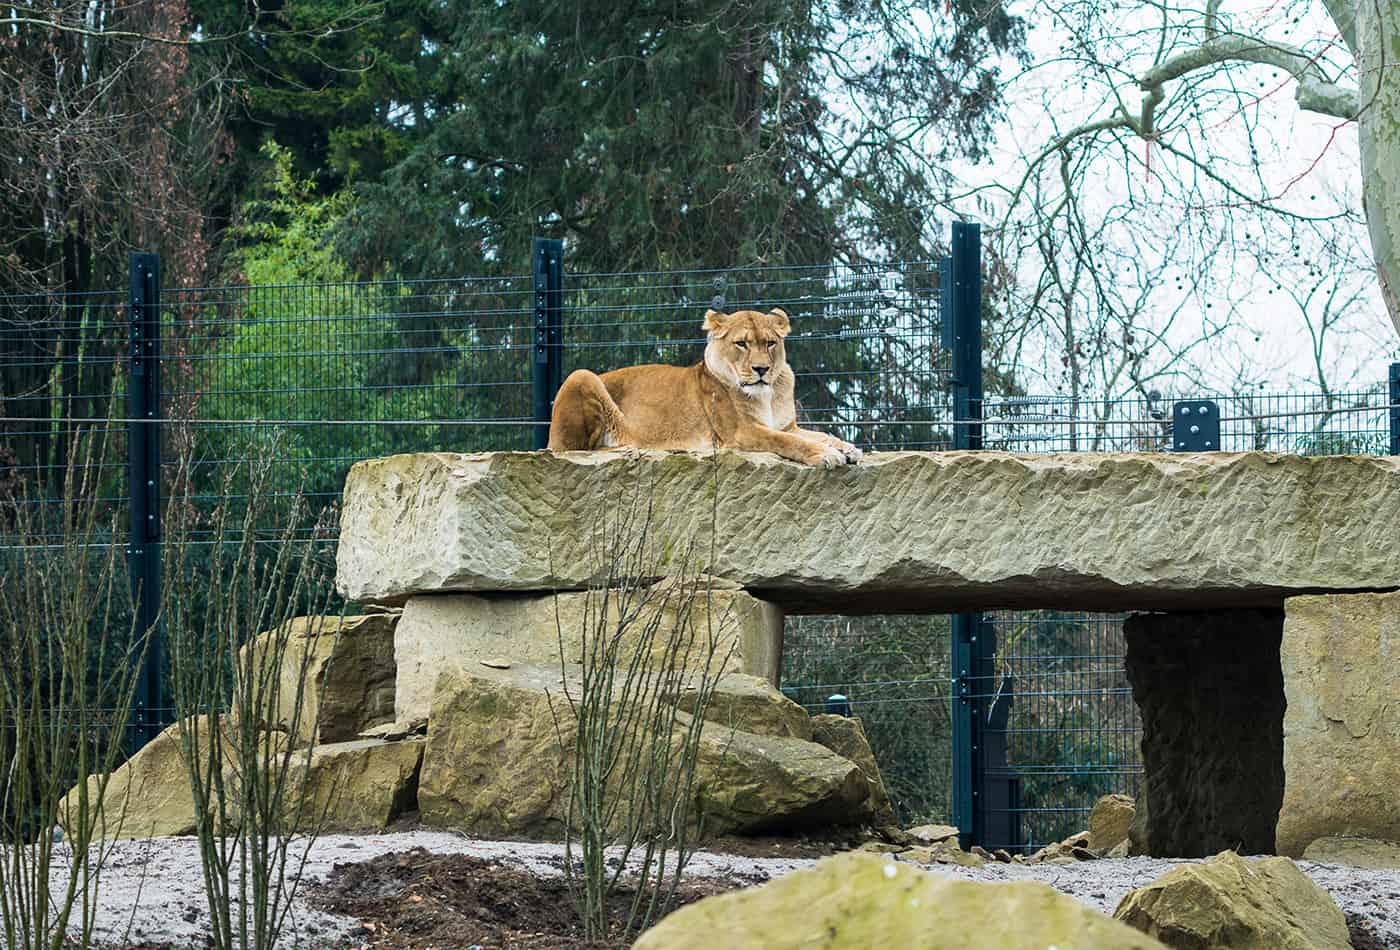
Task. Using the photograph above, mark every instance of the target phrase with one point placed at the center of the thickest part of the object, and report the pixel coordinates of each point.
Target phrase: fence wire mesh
(325, 375)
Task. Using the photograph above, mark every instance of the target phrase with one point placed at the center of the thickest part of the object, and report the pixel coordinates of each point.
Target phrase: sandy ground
(152, 890)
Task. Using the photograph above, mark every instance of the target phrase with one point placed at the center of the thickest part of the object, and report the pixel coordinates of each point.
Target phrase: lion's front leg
(754, 438)
(847, 450)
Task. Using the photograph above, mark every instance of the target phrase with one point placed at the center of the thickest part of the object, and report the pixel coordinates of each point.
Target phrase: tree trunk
(1378, 58)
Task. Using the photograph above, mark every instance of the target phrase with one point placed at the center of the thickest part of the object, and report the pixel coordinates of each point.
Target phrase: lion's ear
(716, 323)
(780, 321)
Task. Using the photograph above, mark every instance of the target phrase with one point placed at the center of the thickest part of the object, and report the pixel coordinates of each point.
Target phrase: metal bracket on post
(1195, 426)
(143, 474)
(547, 365)
(1395, 408)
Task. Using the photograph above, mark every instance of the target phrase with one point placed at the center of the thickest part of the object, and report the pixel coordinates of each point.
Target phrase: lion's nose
(761, 371)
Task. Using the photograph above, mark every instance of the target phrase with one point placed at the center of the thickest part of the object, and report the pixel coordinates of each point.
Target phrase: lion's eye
(771, 344)
(741, 344)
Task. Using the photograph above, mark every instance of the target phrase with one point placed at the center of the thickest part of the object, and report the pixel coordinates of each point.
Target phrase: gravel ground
(152, 891)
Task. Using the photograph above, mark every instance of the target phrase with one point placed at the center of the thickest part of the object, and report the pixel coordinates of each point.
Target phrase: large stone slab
(1341, 730)
(898, 532)
(1210, 692)
(464, 631)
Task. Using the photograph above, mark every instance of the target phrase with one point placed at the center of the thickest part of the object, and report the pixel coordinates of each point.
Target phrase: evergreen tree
(681, 134)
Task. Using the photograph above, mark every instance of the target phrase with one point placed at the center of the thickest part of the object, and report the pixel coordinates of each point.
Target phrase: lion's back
(662, 404)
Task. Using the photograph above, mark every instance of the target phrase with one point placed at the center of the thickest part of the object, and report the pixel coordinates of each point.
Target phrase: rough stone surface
(932, 834)
(147, 796)
(363, 784)
(1370, 853)
(1230, 903)
(1341, 731)
(1210, 692)
(752, 704)
(1110, 822)
(864, 900)
(349, 675)
(846, 737)
(937, 531)
(494, 765)
(466, 631)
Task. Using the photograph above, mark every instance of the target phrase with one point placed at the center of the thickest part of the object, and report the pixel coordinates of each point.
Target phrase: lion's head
(745, 348)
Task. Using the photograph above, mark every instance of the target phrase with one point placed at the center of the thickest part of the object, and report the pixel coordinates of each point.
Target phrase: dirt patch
(417, 899)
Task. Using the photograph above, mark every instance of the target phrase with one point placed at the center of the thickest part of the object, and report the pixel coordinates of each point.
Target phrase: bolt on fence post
(1195, 425)
(143, 475)
(547, 363)
(1395, 408)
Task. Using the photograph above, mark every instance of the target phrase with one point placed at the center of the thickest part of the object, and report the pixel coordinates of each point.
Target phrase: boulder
(1239, 904)
(1369, 853)
(845, 736)
(864, 900)
(1341, 728)
(1110, 822)
(147, 796)
(363, 784)
(495, 763)
(349, 673)
(466, 631)
(938, 531)
(752, 704)
(1210, 693)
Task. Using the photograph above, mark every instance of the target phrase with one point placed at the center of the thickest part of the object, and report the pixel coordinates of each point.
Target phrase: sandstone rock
(752, 704)
(364, 784)
(1370, 853)
(933, 834)
(1110, 822)
(939, 531)
(945, 853)
(494, 765)
(862, 900)
(1230, 902)
(1209, 688)
(349, 670)
(462, 630)
(147, 796)
(1341, 728)
(845, 736)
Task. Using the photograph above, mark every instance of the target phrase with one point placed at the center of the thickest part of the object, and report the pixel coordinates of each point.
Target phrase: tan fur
(738, 397)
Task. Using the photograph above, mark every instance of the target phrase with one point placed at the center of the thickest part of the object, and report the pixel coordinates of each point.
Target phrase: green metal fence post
(547, 365)
(1395, 408)
(143, 475)
(961, 285)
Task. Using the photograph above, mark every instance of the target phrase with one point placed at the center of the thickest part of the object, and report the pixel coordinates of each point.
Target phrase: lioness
(738, 397)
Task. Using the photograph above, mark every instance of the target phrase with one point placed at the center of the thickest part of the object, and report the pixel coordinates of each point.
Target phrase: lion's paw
(850, 452)
(828, 456)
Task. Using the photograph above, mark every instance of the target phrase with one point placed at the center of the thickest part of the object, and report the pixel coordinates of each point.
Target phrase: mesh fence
(1352, 422)
(321, 376)
(864, 338)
